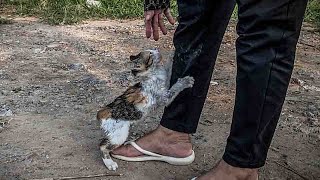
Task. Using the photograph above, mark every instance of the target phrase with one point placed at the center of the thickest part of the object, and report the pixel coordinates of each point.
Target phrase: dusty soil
(55, 78)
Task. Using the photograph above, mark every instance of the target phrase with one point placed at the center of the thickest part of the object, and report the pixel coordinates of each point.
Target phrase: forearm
(156, 4)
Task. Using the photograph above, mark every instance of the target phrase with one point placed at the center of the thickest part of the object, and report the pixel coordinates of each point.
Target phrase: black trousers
(268, 33)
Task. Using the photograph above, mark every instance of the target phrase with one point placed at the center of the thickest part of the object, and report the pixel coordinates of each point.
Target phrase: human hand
(154, 21)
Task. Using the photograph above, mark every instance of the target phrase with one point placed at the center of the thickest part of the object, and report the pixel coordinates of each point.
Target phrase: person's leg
(202, 24)
(268, 33)
(197, 40)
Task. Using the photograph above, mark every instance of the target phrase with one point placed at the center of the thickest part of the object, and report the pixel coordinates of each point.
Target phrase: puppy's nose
(134, 72)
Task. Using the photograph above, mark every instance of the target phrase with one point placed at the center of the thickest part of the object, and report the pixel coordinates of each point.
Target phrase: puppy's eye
(132, 57)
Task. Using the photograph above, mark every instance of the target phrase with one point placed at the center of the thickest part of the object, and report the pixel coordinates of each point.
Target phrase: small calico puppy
(138, 100)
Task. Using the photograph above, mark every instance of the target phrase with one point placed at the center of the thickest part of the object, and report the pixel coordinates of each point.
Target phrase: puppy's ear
(145, 55)
(134, 57)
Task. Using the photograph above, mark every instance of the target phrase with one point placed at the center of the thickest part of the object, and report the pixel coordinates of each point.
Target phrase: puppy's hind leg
(106, 147)
(114, 139)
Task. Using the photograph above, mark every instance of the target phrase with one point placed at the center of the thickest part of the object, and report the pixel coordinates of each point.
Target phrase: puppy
(138, 100)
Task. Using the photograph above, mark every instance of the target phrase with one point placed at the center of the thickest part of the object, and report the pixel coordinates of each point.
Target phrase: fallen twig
(307, 44)
(274, 149)
(291, 170)
(81, 177)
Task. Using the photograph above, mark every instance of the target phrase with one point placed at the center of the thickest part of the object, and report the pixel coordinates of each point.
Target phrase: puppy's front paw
(187, 81)
(110, 164)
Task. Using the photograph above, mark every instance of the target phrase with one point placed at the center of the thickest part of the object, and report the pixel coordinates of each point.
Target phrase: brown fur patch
(145, 55)
(162, 61)
(124, 106)
(133, 95)
(104, 114)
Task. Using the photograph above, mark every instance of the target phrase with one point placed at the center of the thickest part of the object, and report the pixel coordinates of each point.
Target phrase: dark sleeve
(156, 4)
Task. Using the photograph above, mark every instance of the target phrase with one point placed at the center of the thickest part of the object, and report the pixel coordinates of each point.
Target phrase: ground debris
(304, 85)
(76, 66)
(81, 177)
(5, 117)
(286, 166)
(214, 83)
(5, 112)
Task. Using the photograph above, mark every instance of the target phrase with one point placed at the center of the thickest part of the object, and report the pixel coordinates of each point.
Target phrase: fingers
(161, 24)
(168, 15)
(154, 20)
(155, 25)
(148, 22)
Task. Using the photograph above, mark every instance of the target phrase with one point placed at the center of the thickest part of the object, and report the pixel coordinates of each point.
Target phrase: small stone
(53, 45)
(4, 92)
(37, 50)
(214, 83)
(5, 112)
(76, 66)
(310, 114)
(16, 90)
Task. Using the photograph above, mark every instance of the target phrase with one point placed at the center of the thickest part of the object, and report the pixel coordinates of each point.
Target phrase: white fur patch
(153, 89)
(117, 131)
(110, 164)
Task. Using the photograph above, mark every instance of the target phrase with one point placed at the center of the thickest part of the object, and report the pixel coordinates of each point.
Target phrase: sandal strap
(135, 145)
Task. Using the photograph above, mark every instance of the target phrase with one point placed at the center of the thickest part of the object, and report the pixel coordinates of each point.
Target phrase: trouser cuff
(231, 160)
(175, 126)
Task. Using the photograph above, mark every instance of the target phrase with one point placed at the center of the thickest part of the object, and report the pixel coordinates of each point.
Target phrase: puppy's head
(145, 62)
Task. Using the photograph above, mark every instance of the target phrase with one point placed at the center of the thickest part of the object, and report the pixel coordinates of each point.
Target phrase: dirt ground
(53, 79)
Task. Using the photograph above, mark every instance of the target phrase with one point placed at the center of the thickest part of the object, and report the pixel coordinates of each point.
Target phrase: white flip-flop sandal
(150, 156)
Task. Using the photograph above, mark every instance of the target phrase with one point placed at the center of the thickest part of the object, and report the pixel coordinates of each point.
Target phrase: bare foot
(161, 141)
(224, 171)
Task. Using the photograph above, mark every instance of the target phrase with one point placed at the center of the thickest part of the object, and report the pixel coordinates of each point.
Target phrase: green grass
(313, 12)
(56, 11)
(73, 11)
